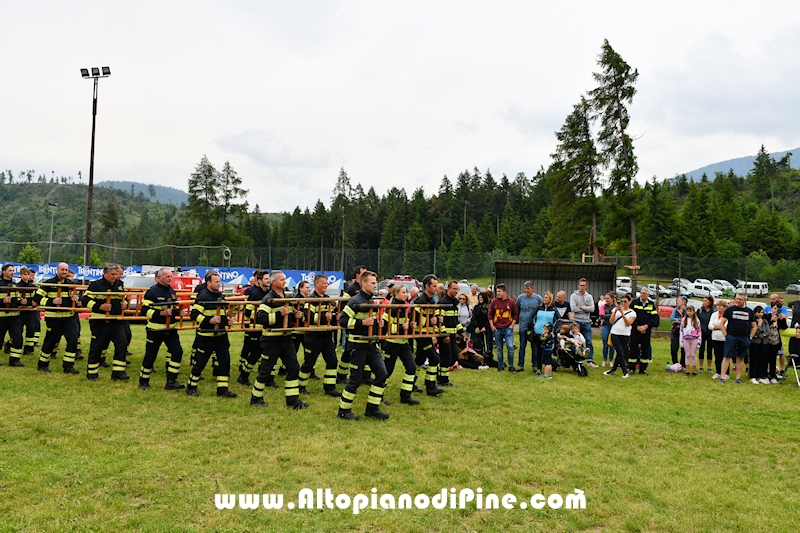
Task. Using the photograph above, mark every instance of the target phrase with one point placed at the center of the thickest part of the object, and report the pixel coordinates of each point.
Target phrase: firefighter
(320, 342)
(448, 350)
(160, 307)
(399, 322)
(106, 303)
(210, 313)
(358, 322)
(352, 289)
(54, 293)
(277, 344)
(197, 290)
(646, 319)
(76, 320)
(425, 349)
(31, 320)
(251, 348)
(10, 321)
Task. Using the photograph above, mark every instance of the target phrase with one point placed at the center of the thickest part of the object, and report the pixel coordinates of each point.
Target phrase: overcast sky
(397, 93)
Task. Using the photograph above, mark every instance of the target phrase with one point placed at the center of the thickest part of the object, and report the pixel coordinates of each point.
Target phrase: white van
(754, 288)
(701, 290)
(623, 281)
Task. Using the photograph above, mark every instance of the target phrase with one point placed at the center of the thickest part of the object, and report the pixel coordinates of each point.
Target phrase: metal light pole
(95, 75)
(52, 218)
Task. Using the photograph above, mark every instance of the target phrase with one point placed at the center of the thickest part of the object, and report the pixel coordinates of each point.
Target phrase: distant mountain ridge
(164, 194)
(741, 165)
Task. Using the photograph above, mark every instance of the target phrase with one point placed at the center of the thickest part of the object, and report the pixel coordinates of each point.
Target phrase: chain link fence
(388, 263)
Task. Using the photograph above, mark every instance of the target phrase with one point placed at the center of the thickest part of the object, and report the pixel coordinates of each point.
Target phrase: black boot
(173, 385)
(431, 389)
(296, 404)
(7, 347)
(405, 397)
(332, 392)
(43, 367)
(314, 375)
(272, 384)
(69, 368)
(374, 411)
(225, 392)
(191, 390)
(244, 379)
(341, 379)
(347, 414)
(78, 354)
(28, 350)
(117, 375)
(14, 361)
(303, 390)
(144, 383)
(257, 402)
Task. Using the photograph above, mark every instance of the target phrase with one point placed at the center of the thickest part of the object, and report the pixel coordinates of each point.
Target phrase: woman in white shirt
(622, 319)
(718, 333)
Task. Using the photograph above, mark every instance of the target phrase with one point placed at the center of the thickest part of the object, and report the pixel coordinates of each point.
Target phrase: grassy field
(652, 453)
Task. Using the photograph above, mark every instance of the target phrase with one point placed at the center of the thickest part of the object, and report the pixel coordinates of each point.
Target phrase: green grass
(657, 453)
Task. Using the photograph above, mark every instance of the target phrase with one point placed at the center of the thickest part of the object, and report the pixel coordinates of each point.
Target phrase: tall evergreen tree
(609, 100)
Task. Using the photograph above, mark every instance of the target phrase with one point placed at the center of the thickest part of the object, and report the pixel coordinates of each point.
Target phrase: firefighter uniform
(211, 339)
(363, 351)
(57, 323)
(640, 350)
(31, 320)
(251, 348)
(277, 345)
(344, 364)
(106, 328)
(448, 349)
(10, 320)
(320, 342)
(160, 330)
(397, 322)
(425, 348)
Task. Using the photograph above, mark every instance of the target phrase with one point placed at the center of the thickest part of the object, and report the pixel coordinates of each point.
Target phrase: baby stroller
(564, 357)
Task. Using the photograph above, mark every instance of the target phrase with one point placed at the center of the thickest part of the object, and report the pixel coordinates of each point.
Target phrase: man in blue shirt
(527, 303)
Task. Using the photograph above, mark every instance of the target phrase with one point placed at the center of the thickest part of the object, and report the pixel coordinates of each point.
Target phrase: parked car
(659, 290)
(673, 290)
(408, 281)
(754, 288)
(701, 290)
(703, 281)
(666, 306)
(724, 285)
(622, 290)
(793, 288)
(623, 281)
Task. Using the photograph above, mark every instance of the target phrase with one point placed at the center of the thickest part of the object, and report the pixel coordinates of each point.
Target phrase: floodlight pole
(88, 247)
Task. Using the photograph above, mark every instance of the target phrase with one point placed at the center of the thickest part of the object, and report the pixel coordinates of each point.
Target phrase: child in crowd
(547, 343)
(691, 332)
(578, 340)
(565, 338)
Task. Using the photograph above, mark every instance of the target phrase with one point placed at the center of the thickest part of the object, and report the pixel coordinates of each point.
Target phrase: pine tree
(203, 185)
(416, 257)
(609, 102)
(230, 191)
(110, 221)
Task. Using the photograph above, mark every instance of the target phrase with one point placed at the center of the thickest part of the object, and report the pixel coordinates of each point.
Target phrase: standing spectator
(605, 309)
(777, 322)
(646, 319)
(527, 304)
(546, 314)
(482, 336)
(547, 342)
(758, 368)
(740, 322)
(690, 337)
(464, 311)
(562, 306)
(472, 297)
(582, 305)
(622, 319)
(503, 314)
(676, 341)
(704, 315)
(718, 332)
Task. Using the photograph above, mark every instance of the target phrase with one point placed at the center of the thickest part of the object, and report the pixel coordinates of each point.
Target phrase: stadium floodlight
(95, 76)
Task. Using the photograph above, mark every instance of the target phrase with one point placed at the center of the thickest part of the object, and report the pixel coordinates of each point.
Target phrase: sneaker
(500, 368)
(700, 370)
(764, 381)
(715, 376)
(610, 373)
(545, 377)
(586, 354)
(591, 364)
(538, 371)
(773, 381)
(739, 381)
(512, 370)
(694, 374)
(688, 374)
(754, 381)
(625, 375)
(483, 367)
